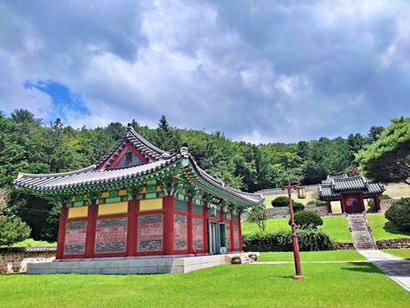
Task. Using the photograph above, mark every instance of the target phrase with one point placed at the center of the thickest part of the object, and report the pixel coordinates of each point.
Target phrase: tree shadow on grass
(392, 228)
(364, 267)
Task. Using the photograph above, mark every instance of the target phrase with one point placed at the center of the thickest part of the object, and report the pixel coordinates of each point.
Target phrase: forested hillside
(29, 145)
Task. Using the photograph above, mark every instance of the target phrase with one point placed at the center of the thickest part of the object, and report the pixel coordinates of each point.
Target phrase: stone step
(361, 234)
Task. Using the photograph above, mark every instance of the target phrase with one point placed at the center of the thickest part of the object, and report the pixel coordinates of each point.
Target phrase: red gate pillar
(377, 203)
(91, 227)
(232, 245)
(168, 209)
(329, 207)
(190, 235)
(132, 227)
(61, 231)
(205, 227)
(240, 232)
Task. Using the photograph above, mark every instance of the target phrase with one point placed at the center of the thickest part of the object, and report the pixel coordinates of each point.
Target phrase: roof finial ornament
(129, 125)
(184, 151)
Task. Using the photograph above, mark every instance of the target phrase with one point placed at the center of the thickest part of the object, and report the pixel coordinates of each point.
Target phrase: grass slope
(313, 256)
(335, 226)
(402, 252)
(383, 230)
(325, 285)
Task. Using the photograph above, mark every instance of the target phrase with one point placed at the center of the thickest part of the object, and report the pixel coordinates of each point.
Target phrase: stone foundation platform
(134, 265)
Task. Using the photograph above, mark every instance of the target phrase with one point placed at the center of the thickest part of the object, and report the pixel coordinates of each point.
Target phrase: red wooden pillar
(205, 227)
(361, 200)
(168, 206)
(61, 231)
(329, 207)
(91, 227)
(240, 232)
(231, 235)
(190, 235)
(342, 204)
(132, 227)
(377, 203)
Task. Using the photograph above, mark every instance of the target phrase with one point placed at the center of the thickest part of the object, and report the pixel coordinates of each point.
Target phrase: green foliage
(307, 219)
(388, 158)
(280, 201)
(309, 240)
(283, 201)
(12, 230)
(399, 213)
(258, 216)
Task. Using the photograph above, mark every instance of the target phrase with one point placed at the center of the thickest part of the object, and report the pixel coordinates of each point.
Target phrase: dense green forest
(29, 145)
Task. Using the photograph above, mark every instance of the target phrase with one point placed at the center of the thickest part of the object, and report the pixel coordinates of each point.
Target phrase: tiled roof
(334, 186)
(150, 151)
(49, 183)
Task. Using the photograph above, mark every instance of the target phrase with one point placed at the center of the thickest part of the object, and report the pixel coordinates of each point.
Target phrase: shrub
(12, 230)
(283, 201)
(307, 219)
(297, 207)
(399, 213)
(280, 201)
(309, 240)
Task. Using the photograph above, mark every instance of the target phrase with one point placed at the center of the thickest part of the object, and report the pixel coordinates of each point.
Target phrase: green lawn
(325, 285)
(402, 252)
(382, 229)
(335, 226)
(33, 243)
(313, 256)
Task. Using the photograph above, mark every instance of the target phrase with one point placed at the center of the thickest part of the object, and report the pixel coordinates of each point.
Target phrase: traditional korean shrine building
(351, 192)
(139, 200)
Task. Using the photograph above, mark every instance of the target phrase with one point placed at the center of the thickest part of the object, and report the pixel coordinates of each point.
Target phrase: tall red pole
(294, 236)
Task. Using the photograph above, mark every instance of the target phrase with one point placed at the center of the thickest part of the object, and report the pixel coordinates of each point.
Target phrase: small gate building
(139, 200)
(351, 192)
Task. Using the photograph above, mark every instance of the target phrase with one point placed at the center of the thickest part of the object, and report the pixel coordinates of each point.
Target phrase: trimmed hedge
(399, 213)
(283, 201)
(309, 240)
(307, 219)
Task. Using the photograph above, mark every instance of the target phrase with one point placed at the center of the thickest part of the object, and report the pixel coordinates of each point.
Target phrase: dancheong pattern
(180, 232)
(150, 233)
(111, 235)
(198, 233)
(74, 241)
(228, 235)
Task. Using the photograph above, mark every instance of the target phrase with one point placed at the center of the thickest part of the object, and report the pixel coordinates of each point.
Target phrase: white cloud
(259, 71)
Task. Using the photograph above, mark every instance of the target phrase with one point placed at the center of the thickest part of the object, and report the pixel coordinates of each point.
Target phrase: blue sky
(260, 71)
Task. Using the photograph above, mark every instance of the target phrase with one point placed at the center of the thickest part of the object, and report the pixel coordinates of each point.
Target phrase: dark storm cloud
(257, 70)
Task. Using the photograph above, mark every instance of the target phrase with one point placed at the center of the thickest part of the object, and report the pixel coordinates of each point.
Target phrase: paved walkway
(396, 268)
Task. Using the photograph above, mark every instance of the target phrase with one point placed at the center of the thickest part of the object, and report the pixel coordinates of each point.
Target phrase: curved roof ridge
(58, 174)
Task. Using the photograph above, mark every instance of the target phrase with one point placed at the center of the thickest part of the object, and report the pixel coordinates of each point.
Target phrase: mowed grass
(402, 252)
(335, 226)
(324, 285)
(312, 256)
(33, 243)
(383, 230)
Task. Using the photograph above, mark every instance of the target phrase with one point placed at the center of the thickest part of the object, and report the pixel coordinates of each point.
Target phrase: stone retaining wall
(15, 260)
(275, 212)
(395, 243)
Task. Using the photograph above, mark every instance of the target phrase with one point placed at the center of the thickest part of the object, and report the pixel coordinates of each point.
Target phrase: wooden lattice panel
(180, 232)
(74, 241)
(150, 233)
(111, 235)
(198, 233)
